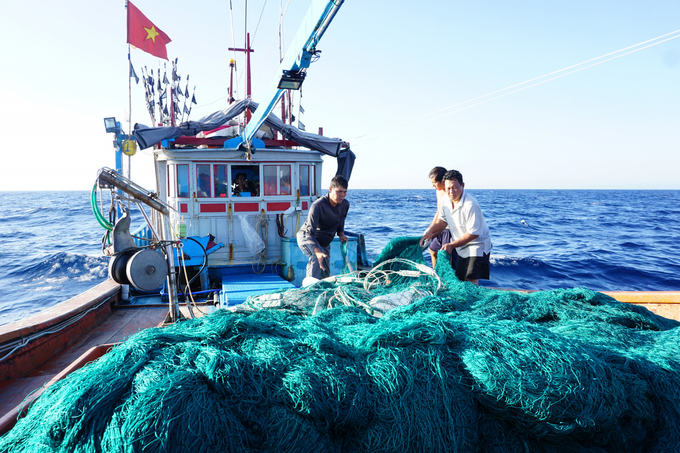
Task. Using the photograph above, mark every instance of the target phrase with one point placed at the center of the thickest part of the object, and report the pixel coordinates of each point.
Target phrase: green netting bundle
(460, 368)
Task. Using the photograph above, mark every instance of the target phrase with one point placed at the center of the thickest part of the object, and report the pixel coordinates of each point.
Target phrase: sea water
(50, 242)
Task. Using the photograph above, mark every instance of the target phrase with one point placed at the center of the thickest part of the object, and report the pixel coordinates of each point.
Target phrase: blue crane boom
(297, 60)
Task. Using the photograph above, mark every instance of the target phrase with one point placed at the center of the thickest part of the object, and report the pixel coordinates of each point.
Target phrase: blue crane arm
(298, 58)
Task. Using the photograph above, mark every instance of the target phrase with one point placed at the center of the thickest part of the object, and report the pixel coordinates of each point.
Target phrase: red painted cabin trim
(246, 207)
(279, 206)
(213, 207)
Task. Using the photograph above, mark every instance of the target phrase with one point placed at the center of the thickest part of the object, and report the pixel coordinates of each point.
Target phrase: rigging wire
(233, 46)
(580, 66)
(279, 35)
(233, 40)
(258, 22)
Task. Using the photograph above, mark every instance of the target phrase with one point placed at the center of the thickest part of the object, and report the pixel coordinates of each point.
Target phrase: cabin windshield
(245, 180)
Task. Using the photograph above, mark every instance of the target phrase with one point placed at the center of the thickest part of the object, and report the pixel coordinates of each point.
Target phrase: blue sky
(387, 79)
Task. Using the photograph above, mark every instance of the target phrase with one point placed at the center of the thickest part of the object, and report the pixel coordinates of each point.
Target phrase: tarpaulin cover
(149, 136)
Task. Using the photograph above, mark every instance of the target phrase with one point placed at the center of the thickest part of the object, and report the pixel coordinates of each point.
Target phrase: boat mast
(248, 51)
(292, 70)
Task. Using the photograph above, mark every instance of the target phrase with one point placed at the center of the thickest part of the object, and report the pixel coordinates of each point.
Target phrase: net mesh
(397, 359)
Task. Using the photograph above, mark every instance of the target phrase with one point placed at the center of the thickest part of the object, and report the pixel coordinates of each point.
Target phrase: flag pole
(129, 93)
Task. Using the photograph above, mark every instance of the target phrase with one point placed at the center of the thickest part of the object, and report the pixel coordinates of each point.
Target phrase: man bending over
(470, 234)
(326, 218)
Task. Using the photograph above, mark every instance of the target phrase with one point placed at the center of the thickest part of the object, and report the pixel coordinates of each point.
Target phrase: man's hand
(343, 238)
(320, 256)
(432, 231)
(449, 248)
(427, 236)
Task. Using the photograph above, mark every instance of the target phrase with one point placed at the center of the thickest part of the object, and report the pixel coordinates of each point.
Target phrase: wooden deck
(115, 328)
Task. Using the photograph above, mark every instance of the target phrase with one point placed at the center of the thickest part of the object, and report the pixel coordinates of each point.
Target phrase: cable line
(617, 54)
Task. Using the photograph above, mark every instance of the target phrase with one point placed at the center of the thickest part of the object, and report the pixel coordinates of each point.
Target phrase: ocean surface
(542, 239)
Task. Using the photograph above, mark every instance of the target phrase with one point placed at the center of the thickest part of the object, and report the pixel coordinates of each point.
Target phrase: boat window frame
(171, 176)
(188, 180)
(310, 180)
(227, 174)
(279, 179)
(199, 189)
(255, 180)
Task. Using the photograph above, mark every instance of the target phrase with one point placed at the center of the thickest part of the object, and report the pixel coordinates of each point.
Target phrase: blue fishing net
(398, 359)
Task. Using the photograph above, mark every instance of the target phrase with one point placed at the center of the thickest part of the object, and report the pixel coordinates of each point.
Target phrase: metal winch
(145, 269)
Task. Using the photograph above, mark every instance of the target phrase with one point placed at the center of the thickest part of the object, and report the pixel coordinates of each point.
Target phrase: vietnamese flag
(143, 34)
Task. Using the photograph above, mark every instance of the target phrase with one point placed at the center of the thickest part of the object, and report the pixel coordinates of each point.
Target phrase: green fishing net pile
(467, 369)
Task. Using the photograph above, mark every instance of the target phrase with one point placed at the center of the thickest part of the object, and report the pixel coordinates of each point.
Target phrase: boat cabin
(211, 189)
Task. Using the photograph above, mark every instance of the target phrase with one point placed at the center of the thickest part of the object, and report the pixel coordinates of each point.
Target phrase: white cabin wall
(222, 219)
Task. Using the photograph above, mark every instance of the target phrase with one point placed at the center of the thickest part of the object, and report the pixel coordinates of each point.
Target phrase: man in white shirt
(470, 234)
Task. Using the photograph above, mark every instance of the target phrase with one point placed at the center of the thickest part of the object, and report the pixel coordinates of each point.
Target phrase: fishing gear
(186, 96)
(149, 97)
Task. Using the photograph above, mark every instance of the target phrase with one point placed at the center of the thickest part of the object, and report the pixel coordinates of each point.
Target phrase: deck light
(111, 125)
(291, 80)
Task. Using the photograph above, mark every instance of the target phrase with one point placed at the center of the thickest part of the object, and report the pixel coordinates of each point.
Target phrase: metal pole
(172, 283)
(111, 177)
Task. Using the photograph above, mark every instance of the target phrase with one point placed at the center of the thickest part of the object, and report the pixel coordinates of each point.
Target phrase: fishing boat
(232, 189)
(221, 228)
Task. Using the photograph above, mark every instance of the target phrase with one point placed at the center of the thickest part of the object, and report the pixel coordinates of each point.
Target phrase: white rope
(354, 289)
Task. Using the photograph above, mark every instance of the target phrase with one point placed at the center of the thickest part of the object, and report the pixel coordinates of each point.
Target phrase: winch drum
(146, 270)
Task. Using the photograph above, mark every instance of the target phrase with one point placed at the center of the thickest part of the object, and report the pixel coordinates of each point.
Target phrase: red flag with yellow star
(143, 34)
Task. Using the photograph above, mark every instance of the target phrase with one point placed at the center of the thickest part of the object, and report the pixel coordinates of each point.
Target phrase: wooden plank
(9, 418)
(115, 328)
(657, 297)
(44, 344)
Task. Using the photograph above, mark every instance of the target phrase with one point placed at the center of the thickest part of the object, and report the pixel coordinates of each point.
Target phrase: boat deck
(115, 328)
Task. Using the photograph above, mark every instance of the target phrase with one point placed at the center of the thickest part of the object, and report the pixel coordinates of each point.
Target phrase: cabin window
(203, 189)
(307, 180)
(183, 181)
(245, 180)
(304, 180)
(220, 181)
(172, 193)
(277, 180)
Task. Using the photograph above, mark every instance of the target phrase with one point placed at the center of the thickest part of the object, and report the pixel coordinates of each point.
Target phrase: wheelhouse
(209, 189)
